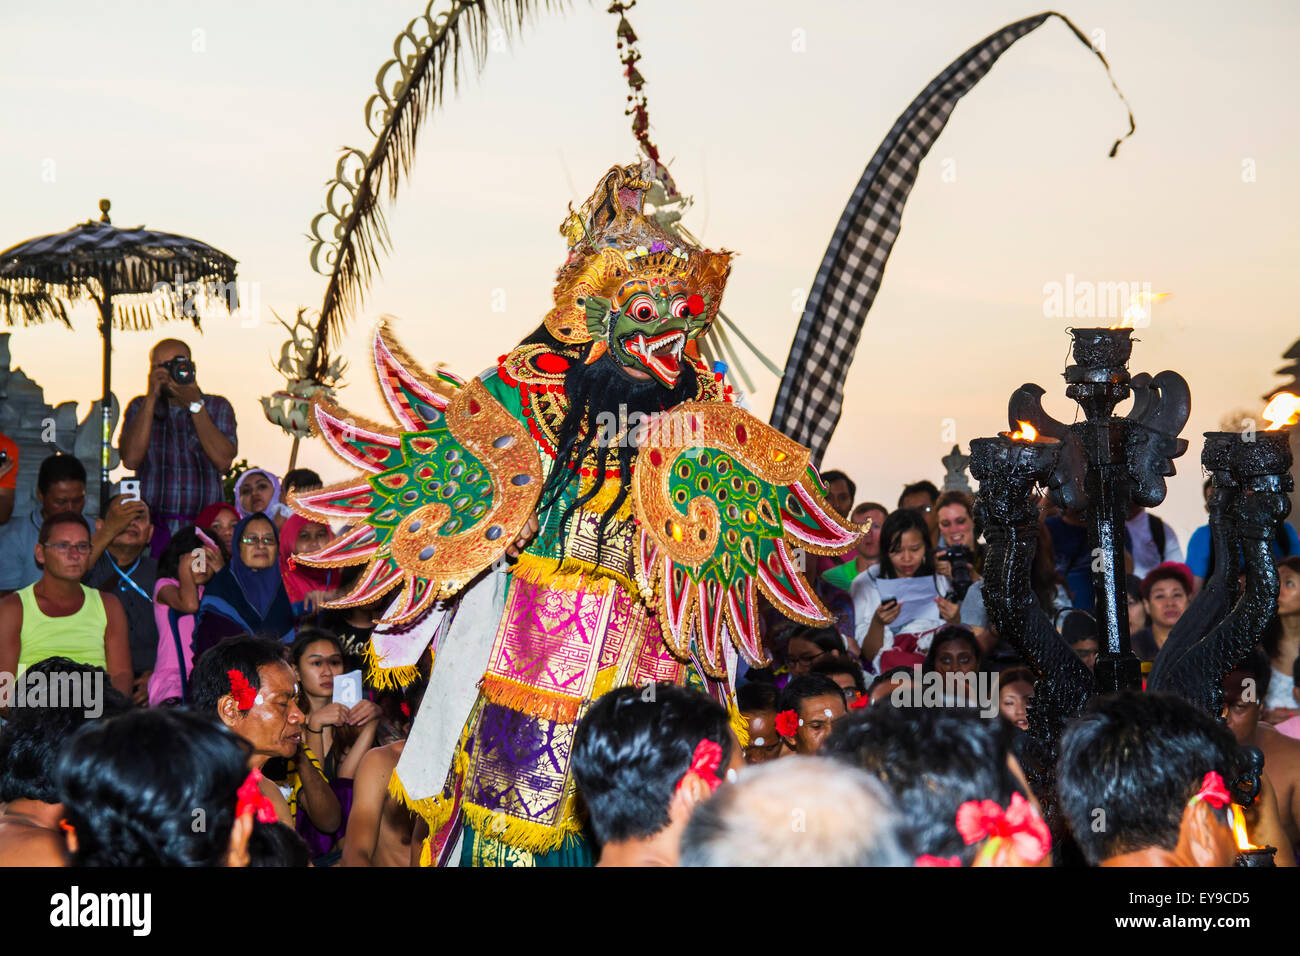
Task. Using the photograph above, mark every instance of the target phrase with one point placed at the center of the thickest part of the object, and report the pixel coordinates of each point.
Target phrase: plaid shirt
(177, 479)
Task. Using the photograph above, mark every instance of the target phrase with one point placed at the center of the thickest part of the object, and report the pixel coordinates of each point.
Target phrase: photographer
(177, 440)
(959, 559)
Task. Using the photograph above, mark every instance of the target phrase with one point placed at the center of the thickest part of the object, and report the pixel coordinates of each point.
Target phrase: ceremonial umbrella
(100, 262)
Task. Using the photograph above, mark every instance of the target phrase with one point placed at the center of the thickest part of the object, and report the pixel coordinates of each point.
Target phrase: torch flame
(1026, 432)
(1282, 410)
(1239, 829)
(1138, 313)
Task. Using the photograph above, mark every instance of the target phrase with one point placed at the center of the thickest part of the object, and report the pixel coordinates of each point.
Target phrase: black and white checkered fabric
(809, 400)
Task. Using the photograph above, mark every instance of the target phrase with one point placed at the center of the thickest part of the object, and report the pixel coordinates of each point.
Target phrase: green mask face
(646, 325)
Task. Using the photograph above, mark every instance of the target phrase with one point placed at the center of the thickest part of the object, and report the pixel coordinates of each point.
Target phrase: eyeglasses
(268, 540)
(63, 547)
(808, 658)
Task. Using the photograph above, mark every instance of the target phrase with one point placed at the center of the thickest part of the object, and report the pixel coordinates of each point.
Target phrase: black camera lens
(181, 369)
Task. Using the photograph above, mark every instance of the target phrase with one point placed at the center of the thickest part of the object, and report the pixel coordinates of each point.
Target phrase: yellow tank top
(77, 636)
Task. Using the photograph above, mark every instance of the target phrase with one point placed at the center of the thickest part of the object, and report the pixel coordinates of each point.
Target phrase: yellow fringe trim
(604, 682)
(382, 677)
(435, 810)
(426, 853)
(739, 724)
(523, 834)
(571, 574)
(605, 497)
(530, 700)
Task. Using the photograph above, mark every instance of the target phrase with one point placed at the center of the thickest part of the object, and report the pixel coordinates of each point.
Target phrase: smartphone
(889, 602)
(130, 489)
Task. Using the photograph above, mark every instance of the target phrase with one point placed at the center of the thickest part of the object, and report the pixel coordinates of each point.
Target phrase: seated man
(644, 758)
(935, 762)
(1244, 691)
(155, 788)
(29, 748)
(846, 673)
(126, 570)
(805, 710)
(58, 616)
(60, 487)
(756, 702)
(1079, 629)
(1141, 778)
(246, 683)
(796, 812)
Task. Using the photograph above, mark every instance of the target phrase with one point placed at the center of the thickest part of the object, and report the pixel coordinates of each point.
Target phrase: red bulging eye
(695, 304)
(642, 308)
(680, 309)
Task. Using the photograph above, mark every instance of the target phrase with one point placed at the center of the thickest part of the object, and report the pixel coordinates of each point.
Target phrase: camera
(181, 370)
(960, 557)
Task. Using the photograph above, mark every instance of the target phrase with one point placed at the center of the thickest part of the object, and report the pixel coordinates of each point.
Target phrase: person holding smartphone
(891, 631)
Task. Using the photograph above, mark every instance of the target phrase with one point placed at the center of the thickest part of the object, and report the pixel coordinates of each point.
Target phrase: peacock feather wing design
(721, 499)
(440, 499)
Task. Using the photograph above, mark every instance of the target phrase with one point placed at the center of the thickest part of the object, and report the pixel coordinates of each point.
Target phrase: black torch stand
(1098, 381)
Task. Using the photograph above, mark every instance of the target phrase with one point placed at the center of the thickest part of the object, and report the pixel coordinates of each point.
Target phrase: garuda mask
(629, 288)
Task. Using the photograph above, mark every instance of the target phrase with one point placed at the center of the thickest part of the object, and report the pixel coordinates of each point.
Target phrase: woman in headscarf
(258, 490)
(219, 521)
(247, 596)
(307, 587)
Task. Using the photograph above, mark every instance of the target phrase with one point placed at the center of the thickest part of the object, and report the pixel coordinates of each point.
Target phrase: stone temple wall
(40, 430)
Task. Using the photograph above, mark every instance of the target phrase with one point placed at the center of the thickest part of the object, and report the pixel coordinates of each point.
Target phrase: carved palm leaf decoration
(349, 234)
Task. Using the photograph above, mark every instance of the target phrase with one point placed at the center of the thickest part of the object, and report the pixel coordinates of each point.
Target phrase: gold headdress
(611, 240)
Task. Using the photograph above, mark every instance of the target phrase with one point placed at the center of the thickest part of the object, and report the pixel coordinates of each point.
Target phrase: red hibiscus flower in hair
(986, 820)
(1213, 791)
(925, 859)
(243, 692)
(787, 723)
(704, 764)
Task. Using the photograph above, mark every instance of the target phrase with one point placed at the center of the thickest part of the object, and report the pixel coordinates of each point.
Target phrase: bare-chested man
(29, 748)
(379, 828)
(1244, 691)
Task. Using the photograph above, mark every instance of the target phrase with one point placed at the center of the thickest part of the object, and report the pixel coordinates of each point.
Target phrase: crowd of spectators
(221, 661)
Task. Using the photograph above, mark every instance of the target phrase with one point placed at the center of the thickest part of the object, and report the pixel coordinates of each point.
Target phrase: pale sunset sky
(223, 121)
